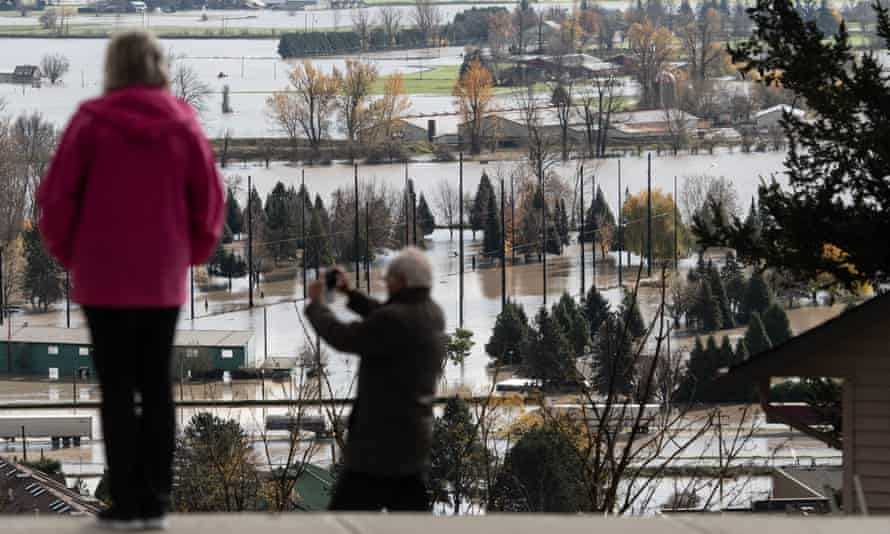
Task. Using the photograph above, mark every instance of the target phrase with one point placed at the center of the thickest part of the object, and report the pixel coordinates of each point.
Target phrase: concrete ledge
(324, 523)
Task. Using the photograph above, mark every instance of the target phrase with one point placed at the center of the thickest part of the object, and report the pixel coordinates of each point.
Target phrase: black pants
(132, 351)
(357, 491)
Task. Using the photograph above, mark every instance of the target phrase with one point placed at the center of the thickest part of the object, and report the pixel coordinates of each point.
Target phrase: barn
(60, 352)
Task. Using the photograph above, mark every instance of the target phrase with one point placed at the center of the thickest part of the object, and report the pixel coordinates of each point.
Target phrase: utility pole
(265, 332)
(512, 222)
(303, 225)
(676, 235)
(406, 204)
(503, 251)
(250, 242)
(460, 230)
(619, 223)
(593, 233)
(581, 234)
(649, 215)
(191, 290)
(368, 247)
(414, 217)
(543, 230)
(358, 282)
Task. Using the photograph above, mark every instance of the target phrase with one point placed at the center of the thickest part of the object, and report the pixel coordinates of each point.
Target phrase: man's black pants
(132, 352)
(356, 491)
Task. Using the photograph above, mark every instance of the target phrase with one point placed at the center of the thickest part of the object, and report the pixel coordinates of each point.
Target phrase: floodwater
(218, 308)
(251, 67)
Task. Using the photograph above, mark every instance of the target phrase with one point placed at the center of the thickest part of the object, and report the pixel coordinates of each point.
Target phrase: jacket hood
(141, 113)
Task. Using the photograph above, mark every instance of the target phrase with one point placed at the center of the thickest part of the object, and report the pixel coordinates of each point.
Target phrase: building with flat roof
(56, 352)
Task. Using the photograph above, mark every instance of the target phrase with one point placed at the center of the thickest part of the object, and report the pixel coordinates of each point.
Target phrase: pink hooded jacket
(131, 199)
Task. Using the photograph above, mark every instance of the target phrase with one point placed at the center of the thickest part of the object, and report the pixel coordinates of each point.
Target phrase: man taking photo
(401, 343)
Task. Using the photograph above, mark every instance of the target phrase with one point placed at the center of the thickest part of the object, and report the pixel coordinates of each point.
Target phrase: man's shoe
(112, 519)
(155, 523)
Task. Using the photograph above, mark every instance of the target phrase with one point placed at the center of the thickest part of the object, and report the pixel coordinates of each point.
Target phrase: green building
(56, 353)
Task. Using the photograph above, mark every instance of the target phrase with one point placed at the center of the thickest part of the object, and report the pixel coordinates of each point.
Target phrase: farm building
(59, 352)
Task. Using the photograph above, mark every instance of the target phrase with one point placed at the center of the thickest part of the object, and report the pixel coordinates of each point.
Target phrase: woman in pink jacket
(131, 200)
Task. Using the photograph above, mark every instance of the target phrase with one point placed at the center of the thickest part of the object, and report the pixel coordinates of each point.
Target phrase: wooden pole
(460, 226)
(250, 242)
(581, 236)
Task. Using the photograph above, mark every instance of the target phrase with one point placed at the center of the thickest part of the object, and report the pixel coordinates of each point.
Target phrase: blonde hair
(134, 58)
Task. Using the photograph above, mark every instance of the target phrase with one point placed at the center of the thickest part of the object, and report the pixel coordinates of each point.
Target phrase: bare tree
(562, 100)
(361, 25)
(54, 66)
(300, 451)
(598, 101)
(427, 18)
(447, 203)
(186, 83)
(307, 107)
(355, 86)
(390, 19)
(14, 190)
(542, 144)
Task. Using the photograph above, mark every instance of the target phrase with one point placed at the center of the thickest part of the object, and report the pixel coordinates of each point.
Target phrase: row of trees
(306, 110)
(290, 225)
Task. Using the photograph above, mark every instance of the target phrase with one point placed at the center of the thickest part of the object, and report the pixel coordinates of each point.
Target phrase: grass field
(436, 81)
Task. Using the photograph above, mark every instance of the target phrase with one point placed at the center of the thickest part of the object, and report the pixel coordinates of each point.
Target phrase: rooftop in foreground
(493, 524)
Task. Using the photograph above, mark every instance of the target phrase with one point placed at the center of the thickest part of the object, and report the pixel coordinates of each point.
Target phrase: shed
(57, 352)
(855, 348)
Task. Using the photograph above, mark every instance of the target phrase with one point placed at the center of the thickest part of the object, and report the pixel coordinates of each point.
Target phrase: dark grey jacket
(402, 347)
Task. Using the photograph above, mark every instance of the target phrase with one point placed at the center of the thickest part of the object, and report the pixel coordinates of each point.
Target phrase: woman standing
(131, 200)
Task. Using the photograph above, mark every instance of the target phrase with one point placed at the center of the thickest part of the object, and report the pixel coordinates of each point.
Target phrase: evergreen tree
(278, 223)
(599, 224)
(613, 359)
(728, 357)
(596, 310)
(756, 338)
(549, 357)
(318, 243)
(722, 301)
(541, 473)
(425, 218)
(481, 202)
(530, 226)
(510, 335)
(215, 453)
(776, 323)
(227, 235)
(706, 310)
(631, 316)
(42, 283)
(757, 297)
(571, 319)
(322, 214)
(741, 351)
(225, 263)
(696, 368)
(234, 215)
(457, 458)
(491, 241)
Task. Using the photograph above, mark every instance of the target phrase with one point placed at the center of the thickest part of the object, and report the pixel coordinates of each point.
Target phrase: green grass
(437, 81)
